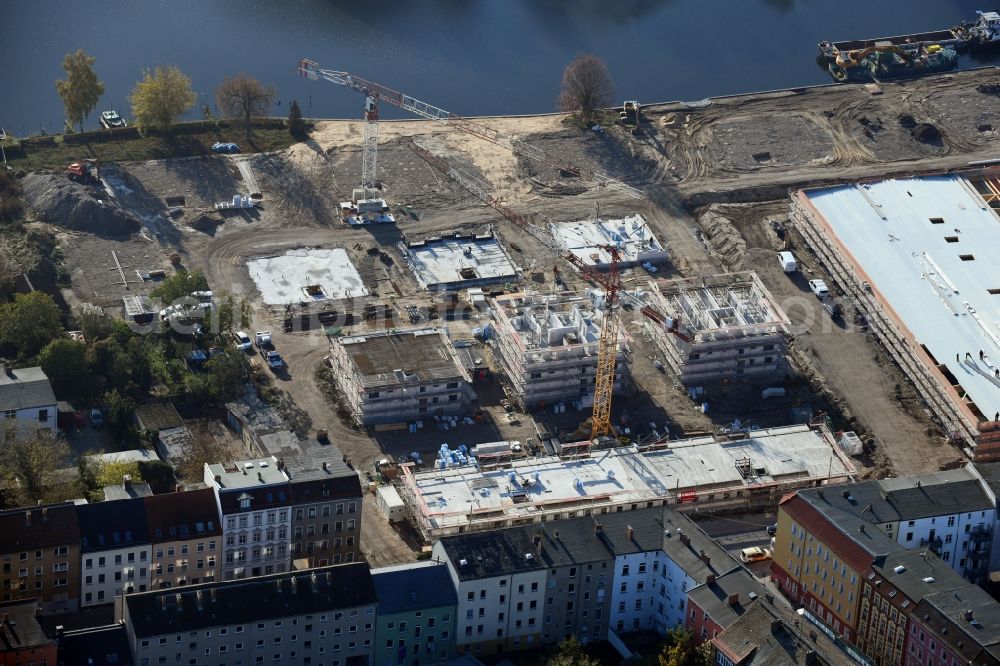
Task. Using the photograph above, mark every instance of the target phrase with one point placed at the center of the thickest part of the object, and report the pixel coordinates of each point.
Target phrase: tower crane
(607, 356)
(378, 93)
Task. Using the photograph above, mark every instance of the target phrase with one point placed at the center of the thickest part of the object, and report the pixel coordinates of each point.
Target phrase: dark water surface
(472, 57)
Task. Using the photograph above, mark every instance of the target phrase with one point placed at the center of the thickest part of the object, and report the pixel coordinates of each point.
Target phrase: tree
(569, 652)
(296, 126)
(94, 324)
(81, 89)
(586, 86)
(681, 650)
(96, 474)
(29, 323)
(244, 97)
(31, 462)
(228, 374)
(64, 362)
(163, 96)
(179, 285)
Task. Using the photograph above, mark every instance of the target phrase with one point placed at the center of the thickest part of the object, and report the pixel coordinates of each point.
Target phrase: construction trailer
(732, 328)
(912, 257)
(398, 376)
(390, 504)
(547, 347)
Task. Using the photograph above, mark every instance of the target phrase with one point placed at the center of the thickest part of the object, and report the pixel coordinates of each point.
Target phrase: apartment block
(322, 616)
(722, 327)
(186, 538)
(417, 608)
(547, 347)
(115, 550)
(254, 502)
(326, 500)
(398, 376)
(40, 556)
(955, 627)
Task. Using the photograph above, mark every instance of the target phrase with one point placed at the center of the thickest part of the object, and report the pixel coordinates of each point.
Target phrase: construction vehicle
(630, 115)
(857, 57)
(375, 92)
(85, 171)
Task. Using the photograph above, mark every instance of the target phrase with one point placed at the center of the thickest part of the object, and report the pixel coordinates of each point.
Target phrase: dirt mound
(724, 240)
(57, 200)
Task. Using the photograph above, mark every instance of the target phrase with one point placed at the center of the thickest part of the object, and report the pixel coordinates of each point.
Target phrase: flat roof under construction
(303, 275)
(551, 320)
(928, 246)
(393, 357)
(451, 497)
(631, 235)
(457, 262)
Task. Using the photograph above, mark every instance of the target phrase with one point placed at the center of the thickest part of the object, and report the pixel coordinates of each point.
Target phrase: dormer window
(245, 503)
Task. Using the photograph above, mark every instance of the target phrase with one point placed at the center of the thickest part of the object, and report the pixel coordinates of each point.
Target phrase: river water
(472, 57)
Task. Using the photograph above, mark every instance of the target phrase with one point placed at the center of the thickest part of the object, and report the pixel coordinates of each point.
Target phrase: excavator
(857, 57)
(85, 171)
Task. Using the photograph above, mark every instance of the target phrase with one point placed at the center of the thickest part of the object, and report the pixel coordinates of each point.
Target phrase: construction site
(620, 254)
(731, 329)
(546, 345)
(702, 473)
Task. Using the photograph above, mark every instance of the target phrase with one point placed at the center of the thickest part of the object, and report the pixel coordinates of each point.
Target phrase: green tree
(30, 462)
(64, 362)
(161, 97)
(245, 98)
(118, 410)
(96, 474)
(680, 649)
(81, 89)
(29, 323)
(570, 653)
(296, 125)
(94, 324)
(180, 284)
(228, 374)
(586, 87)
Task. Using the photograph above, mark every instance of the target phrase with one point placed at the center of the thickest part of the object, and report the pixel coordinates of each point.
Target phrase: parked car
(226, 148)
(96, 418)
(754, 554)
(819, 288)
(772, 529)
(243, 342)
(787, 262)
(832, 308)
(273, 360)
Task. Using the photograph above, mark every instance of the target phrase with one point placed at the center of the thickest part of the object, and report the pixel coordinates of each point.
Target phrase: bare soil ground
(684, 160)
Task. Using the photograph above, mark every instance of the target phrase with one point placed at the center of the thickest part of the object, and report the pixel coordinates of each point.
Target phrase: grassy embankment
(127, 145)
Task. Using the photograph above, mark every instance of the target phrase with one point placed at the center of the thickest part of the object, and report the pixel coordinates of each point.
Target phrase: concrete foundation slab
(458, 262)
(303, 275)
(635, 241)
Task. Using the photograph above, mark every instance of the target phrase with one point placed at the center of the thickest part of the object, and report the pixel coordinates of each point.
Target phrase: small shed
(390, 503)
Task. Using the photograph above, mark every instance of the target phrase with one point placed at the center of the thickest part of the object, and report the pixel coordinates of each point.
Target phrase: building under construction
(916, 259)
(399, 376)
(547, 347)
(745, 471)
(729, 328)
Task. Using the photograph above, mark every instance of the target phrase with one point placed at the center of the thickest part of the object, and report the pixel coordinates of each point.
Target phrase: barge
(984, 31)
(886, 61)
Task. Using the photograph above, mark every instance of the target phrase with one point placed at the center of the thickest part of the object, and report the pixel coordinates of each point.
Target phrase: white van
(788, 262)
(754, 554)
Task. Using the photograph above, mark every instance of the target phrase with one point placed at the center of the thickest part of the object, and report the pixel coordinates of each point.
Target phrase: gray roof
(907, 498)
(769, 634)
(686, 543)
(251, 599)
(489, 554)
(25, 388)
(413, 586)
(131, 491)
(727, 597)
(918, 567)
(22, 631)
(391, 358)
(86, 647)
(971, 615)
(159, 416)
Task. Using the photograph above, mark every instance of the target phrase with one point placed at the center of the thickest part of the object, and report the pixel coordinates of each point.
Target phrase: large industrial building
(752, 470)
(729, 327)
(399, 376)
(547, 347)
(916, 257)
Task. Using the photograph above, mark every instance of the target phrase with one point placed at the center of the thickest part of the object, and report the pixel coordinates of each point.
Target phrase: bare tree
(244, 97)
(586, 86)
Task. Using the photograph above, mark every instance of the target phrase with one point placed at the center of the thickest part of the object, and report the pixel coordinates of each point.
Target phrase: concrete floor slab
(284, 278)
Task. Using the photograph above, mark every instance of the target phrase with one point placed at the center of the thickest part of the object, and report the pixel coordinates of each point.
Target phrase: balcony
(934, 544)
(981, 535)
